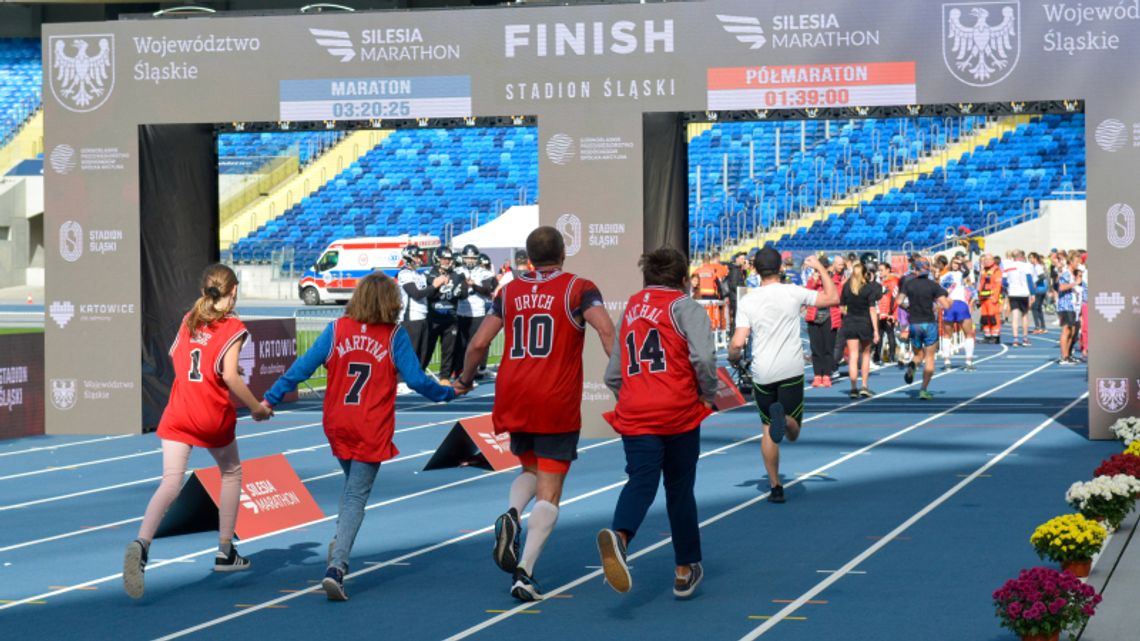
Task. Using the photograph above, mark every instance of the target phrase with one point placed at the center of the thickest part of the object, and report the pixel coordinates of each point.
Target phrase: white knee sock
(522, 491)
(541, 524)
(969, 350)
(945, 348)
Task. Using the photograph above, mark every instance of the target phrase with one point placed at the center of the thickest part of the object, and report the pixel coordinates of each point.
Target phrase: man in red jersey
(538, 391)
(663, 371)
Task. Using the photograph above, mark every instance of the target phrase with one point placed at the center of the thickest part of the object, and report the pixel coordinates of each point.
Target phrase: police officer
(447, 287)
(414, 293)
(471, 310)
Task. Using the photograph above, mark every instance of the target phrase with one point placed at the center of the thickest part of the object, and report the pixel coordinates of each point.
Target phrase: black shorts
(860, 330)
(1019, 303)
(560, 447)
(789, 392)
(1068, 319)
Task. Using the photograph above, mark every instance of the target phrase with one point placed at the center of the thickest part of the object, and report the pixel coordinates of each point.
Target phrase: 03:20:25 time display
(372, 109)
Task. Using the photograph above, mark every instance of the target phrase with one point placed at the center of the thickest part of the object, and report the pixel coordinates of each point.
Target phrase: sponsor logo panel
(67, 393)
(62, 312)
(981, 41)
(598, 38)
(1109, 304)
(98, 242)
(1112, 135)
(562, 149)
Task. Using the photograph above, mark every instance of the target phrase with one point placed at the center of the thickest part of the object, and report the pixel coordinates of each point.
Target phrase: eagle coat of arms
(1112, 394)
(984, 50)
(82, 70)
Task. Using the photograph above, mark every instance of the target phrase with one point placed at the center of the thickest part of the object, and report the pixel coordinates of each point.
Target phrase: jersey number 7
(362, 372)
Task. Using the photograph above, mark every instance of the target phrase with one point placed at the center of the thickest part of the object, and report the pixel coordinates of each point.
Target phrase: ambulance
(332, 278)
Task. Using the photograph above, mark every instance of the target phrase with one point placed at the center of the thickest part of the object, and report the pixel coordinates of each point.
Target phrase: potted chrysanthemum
(1105, 497)
(1070, 540)
(1133, 448)
(1127, 429)
(1041, 602)
(1119, 464)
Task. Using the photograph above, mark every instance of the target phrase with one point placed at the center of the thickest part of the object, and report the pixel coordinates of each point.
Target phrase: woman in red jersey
(362, 352)
(200, 414)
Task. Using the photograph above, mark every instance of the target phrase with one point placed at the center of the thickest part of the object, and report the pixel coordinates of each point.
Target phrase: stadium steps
(292, 191)
(27, 143)
(979, 138)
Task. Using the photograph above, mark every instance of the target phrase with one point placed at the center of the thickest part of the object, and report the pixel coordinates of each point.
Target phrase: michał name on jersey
(650, 313)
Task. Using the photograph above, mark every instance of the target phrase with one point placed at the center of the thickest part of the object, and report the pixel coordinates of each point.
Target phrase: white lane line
(741, 506)
(63, 445)
(59, 468)
(849, 567)
(468, 535)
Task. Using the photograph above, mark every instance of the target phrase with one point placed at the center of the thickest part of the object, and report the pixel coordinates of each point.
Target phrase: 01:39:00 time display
(806, 98)
(371, 109)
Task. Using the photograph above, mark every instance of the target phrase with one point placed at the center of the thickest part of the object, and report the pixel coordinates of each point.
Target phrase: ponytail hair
(858, 278)
(218, 281)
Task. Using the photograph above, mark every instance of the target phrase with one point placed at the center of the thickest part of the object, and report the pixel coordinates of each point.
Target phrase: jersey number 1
(196, 365)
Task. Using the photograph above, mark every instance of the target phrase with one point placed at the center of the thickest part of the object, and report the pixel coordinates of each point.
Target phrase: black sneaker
(866, 393)
(776, 494)
(612, 550)
(333, 583)
(777, 422)
(232, 562)
(524, 587)
(134, 564)
(909, 375)
(853, 394)
(684, 588)
(506, 552)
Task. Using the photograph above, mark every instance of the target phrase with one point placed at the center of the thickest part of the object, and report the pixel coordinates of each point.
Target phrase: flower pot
(1041, 637)
(1079, 568)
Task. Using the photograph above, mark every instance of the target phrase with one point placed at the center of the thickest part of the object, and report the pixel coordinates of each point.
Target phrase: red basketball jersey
(360, 400)
(199, 411)
(659, 390)
(539, 384)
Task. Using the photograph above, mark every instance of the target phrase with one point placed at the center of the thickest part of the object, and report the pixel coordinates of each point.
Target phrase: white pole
(699, 201)
(724, 176)
(751, 159)
(777, 146)
(803, 136)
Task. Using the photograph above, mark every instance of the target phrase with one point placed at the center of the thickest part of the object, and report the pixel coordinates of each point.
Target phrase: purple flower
(1014, 609)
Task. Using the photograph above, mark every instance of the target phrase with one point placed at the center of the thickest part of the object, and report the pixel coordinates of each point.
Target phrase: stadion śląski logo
(1112, 394)
(571, 228)
(981, 41)
(82, 70)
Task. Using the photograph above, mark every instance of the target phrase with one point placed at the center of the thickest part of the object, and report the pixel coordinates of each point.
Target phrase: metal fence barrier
(311, 321)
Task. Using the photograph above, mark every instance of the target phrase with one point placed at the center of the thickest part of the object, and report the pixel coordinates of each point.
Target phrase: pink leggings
(175, 457)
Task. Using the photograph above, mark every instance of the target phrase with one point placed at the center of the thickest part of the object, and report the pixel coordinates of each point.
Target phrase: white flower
(1127, 429)
(1104, 487)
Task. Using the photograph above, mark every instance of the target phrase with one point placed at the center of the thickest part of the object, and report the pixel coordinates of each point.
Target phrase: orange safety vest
(990, 285)
(707, 281)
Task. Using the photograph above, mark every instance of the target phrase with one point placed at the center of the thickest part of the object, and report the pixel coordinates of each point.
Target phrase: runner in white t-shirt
(1019, 275)
(958, 317)
(771, 315)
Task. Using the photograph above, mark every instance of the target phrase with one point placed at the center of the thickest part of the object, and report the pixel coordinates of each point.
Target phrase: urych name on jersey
(357, 343)
(650, 313)
(534, 301)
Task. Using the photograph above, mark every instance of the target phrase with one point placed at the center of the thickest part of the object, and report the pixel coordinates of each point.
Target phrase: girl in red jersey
(362, 351)
(663, 371)
(199, 414)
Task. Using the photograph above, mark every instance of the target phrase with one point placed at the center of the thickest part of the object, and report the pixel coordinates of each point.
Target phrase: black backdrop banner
(22, 386)
(666, 182)
(178, 215)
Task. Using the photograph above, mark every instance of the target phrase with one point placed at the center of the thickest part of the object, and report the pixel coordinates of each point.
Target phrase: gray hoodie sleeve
(613, 368)
(693, 323)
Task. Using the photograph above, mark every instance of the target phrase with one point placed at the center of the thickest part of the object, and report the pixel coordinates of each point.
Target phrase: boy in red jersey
(663, 371)
(199, 414)
(362, 352)
(538, 391)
